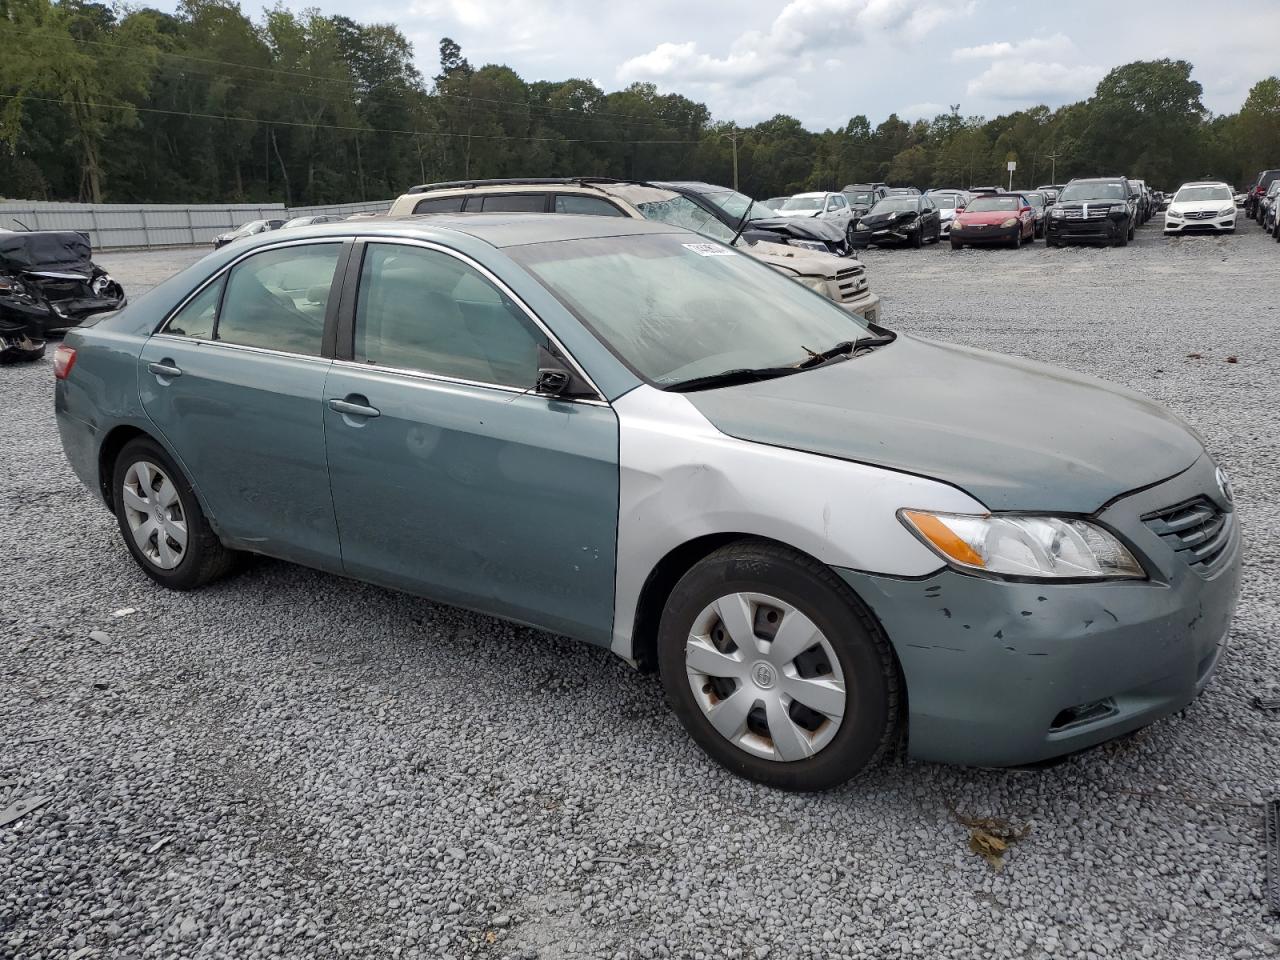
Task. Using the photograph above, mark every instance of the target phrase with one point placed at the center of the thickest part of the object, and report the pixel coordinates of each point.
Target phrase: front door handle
(165, 368)
(354, 405)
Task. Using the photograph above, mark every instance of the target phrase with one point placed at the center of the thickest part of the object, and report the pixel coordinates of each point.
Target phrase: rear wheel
(161, 520)
(775, 668)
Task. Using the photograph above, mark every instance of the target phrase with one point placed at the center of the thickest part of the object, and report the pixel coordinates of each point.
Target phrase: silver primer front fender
(682, 479)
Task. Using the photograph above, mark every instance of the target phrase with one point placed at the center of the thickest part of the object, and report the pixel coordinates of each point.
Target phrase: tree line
(206, 104)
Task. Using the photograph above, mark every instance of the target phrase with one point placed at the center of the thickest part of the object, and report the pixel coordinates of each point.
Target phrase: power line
(334, 126)
(351, 81)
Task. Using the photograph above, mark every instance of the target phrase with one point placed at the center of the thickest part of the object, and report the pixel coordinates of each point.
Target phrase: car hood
(799, 214)
(797, 262)
(986, 216)
(1013, 433)
(882, 219)
(1196, 206)
(801, 229)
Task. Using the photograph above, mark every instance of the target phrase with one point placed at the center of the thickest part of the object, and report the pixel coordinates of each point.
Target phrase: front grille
(851, 282)
(1198, 530)
(1200, 215)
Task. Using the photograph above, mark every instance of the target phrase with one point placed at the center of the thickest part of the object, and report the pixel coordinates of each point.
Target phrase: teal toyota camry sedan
(825, 536)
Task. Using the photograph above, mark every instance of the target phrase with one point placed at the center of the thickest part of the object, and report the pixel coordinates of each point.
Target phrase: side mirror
(557, 379)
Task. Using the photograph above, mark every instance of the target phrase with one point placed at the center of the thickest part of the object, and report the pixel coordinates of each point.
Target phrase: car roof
(696, 186)
(810, 193)
(495, 229)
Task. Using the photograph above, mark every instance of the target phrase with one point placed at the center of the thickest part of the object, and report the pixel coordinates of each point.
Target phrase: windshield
(673, 309)
(1192, 194)
(896, 205)
(1035, 199)
(1093, 190)
(734, 204)
(253, 226)
(803, 203)
(946, 201)
(860, 196)
(680, 211)
(988, 204)
(300, 222)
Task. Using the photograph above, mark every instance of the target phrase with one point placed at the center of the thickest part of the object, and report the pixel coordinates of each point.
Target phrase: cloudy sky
(826, 60)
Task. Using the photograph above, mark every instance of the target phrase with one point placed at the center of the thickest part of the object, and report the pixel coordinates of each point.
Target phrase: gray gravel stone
(350, 772)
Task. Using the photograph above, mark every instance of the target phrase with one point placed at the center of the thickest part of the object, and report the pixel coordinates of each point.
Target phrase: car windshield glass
(1093, 190)
(1192, 194)
(860, 196)
(988, 204)
(946, 201)
(896, 205)
(734, 204)
(1035, 199)
(674, 309)
(253, 226)
(803, 203)
(680, 211)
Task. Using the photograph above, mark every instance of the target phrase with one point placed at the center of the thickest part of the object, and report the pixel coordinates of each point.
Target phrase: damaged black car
(48, 284)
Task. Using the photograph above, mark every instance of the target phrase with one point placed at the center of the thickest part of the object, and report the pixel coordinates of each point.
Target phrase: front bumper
(1001, 673)
(867, 307)
(1077, 231)
(977, 234)
(1174, 224)
(864, 238)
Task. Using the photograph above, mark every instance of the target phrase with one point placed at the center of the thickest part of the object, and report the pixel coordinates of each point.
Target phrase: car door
(234, 382)
(451, 476)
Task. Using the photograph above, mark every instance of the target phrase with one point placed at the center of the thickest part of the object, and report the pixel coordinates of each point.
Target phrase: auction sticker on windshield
(708, 249)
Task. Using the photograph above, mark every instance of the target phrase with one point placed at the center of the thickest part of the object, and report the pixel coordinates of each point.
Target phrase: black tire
(956, 244)
(205, 559)
(1122, 239)
(24, 351)
(873, 687)
(1040, 231)
(917, 238)
(1129, 235)
(848, 237)
(1016, 242)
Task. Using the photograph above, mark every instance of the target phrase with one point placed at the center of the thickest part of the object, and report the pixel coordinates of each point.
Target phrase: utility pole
(1053, 169)
(732, 137)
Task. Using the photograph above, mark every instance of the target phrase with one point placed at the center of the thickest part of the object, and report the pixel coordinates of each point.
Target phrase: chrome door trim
(239, 346)
(459, 382)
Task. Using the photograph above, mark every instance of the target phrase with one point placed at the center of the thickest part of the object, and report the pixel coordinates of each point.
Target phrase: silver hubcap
(765, 676)
(154, 514)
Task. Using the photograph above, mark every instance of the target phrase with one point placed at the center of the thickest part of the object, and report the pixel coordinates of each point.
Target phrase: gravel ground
(292, 764)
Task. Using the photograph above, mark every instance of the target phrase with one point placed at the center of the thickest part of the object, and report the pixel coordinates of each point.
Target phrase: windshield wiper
(728, 378)
(843, 350)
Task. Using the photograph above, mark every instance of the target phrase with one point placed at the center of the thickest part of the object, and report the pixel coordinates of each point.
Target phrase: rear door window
(197, 317)
(276, 300)
(509, 203)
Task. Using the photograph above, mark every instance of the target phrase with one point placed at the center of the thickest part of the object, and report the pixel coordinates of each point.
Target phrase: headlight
(1226, 211)
(808, 245)
(816, 284)
(1011, 222)
(1119, 208)
(1057, 214)
(1173, 212)
(100, 285)
(957, 225)
(1041, 547)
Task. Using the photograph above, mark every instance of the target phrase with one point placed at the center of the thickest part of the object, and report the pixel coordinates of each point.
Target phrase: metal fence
(114, 226)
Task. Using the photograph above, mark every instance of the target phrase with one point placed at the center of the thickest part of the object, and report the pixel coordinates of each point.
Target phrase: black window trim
(336, 286)
(345, 333)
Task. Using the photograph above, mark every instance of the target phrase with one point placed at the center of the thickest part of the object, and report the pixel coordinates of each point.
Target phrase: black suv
(1253, 197)
(1096, 210)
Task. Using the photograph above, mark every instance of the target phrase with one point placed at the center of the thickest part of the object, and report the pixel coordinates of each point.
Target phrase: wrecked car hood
(802, 228)
(806, 263)
(1013, 433)
(54, 251)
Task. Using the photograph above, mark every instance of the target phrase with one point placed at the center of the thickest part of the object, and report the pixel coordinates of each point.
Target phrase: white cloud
(801, 30)
(1027, 80)
(922, 111)
(1059, 45)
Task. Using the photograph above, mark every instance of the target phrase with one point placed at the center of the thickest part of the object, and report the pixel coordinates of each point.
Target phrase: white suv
(822, 206)
(842, 279)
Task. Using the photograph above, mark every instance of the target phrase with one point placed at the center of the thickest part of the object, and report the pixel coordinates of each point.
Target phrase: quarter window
(576, 203)
(196, 319)
(439, 205)
(421, 309)
(276, 299)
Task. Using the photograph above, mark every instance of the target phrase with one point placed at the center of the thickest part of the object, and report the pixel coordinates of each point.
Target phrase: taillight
(64, 358)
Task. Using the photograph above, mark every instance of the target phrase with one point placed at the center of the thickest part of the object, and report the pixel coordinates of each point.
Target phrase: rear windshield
(803, 203)
(988, 204)
(1094, 190)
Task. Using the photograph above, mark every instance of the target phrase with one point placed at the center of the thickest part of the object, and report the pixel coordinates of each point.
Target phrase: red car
(1006, 218)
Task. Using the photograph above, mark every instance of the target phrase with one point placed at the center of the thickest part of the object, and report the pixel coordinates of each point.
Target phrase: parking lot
(293, 764)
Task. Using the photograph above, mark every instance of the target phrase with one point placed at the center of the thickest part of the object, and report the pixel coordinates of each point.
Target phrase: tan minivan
(842, 279)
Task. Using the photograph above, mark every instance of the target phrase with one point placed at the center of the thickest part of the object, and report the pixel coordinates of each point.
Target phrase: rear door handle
(165, 368)
(354, 406)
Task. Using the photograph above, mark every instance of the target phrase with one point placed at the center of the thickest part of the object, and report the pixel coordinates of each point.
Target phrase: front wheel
(1016, 242)
(161, 520)
(917, 238)
(956, 244)
(776, 669)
